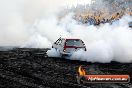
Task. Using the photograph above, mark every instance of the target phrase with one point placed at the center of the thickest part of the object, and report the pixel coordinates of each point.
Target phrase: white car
(67, 46)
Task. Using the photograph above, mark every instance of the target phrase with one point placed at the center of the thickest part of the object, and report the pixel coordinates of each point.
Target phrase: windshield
(74, 42)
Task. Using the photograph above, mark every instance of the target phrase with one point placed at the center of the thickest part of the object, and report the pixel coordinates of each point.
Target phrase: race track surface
(31, 68)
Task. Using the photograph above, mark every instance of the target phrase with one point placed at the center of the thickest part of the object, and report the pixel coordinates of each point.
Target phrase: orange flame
(81, 71)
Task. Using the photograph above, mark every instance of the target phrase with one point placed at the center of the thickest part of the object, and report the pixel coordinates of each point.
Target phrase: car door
(55, 45)
(60, 46)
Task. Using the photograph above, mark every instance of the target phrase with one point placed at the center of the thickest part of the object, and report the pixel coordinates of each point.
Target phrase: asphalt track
(31, 68)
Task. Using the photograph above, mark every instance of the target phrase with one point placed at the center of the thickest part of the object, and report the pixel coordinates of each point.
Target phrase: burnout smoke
(53, 53)
(39, 23)
(105, 43)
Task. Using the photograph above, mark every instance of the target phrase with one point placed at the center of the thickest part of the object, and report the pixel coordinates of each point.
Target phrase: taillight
(64, 50)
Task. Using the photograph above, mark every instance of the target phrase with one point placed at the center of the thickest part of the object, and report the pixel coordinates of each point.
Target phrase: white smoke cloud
(35, 23)
(53, 53)
(17, 18)
(105, 43)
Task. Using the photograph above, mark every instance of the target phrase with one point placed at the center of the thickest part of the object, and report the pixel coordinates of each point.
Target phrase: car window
(57, 41)
(77, 43)
(60, 41)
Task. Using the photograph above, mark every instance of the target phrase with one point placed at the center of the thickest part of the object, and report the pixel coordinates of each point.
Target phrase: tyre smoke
(39, 23)
(104, 44)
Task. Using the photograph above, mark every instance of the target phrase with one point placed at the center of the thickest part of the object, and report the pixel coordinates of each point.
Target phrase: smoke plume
(105, 43)
(39, 23)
